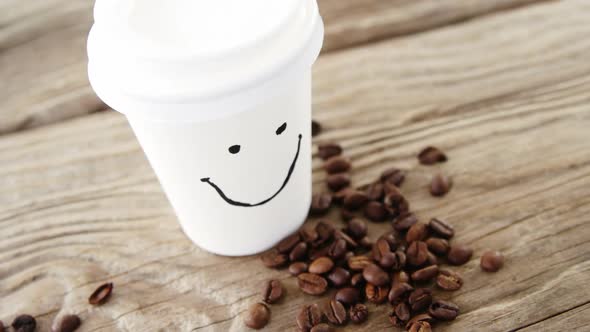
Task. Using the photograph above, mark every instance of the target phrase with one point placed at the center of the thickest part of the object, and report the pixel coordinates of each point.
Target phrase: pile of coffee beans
(400, 268)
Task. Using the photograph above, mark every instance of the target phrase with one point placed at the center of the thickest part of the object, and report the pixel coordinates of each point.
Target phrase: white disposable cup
(189, 112)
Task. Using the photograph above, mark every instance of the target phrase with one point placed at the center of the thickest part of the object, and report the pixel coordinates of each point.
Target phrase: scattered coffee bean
(431, 155)
(358, 313)
(492, 261)
(443, 310)
(449, 280)
(323, 327)
(421, 318)
(392, 239)
(459, 254)
(419, 327)
(354, 200)
(335, 312)
(325, 232)
(298, 252)
(417, 232)
(365, 242)
(376, 211)
(381, 248)
(272, 292)
(438, 246)
(358, 263)
(316, 128)
(441, 228)
(425, 274)
(328, 150)
(357, 280)
(101, 294)
(432, 260)
(420, 299)
(375, 191)
(357, 228)
(376, 294)
(337, 164)
(297, 268)
(271, 258)
(337, 249)
(440, 185)
(321, 265)
(338, 181)
(350, 243)
(68, 323)
(402, 312)
(312, 284)
(308, 317)
(400, 277)
(24, 323)
(393, 176)
(417, 253)
(348, 296)
(399, 292)
(257, 316)
(340, 195)
(375, 275)
(288, 243)
(339, 277)
(346, 214)
(404, 222)
(320, 203)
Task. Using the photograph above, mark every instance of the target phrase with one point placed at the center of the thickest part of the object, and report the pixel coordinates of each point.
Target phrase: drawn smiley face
(234, 149)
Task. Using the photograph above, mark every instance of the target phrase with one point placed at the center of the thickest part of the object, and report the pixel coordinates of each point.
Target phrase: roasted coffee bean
(337, 164)
(404, 222)
(339, 277)
(459, 254)
(299, 252)
(272, 291)
(338, 181)
(358, 263)
(449, 280)
(257, 316)
(376, 294)
(354, 200)
(421, 318)
(271, 258)
(396, 205)
(325, 232)
(24, 323)
(312, 284)
(350, 243)
(321, 265)
(431, 155)
(101, 294)
(441, 228)
(400, 260)
(297, 268)
(380, 248)
(320, 203)
(438, 246)
(443, 310)
(375, 275)
(392, 239)
(492, 261)
(376, 211)
(323, 327)
(365, 242)
(417, 232)
(399, 277)
(375, 191)
(347, 215)
(399, 292)
(358, 313)
(357, 280)
(402, 312)
(308, 317)
(337, 249)
(328, 150)
(288, 243)
(316, 128)
(394, 176)
(348, 295)
(68, 323)
(388, 260)
(335, 312)
(419, 327)
(417, 253)
(2, 328)
(308, 234)
(315, 253)
(357, 228)
(432, 260)
(425, 274)
(440, 185)
(341, 194)
(420, 299)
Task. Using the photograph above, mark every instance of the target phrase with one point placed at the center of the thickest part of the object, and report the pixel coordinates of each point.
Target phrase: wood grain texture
(43, 53)
(507, 97)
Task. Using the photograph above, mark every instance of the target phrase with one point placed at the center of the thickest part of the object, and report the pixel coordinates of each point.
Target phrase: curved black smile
(236, 203)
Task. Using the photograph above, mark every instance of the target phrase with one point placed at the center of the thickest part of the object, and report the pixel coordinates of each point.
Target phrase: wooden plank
(571, 320)
(81, 206)
(43, 55)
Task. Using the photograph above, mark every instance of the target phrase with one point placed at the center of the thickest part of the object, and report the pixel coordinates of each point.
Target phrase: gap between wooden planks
(505, 96)
(43, 76)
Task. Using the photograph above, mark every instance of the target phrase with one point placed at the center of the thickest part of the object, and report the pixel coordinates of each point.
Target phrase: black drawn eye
(281, 128)
(234, 149)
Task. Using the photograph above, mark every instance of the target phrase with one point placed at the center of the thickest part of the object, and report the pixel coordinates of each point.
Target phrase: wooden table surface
(503, 86)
